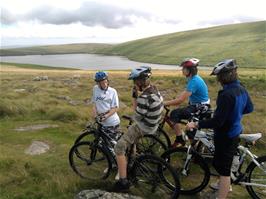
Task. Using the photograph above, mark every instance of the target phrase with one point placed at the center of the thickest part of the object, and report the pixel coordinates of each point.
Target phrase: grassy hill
(245, 42)
(63, 101)
(54, 49)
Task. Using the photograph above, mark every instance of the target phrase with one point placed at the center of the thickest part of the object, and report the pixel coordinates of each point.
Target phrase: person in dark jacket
(232, 102)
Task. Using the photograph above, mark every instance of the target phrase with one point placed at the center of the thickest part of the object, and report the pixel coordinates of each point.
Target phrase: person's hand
(134, 92)
(191, 125)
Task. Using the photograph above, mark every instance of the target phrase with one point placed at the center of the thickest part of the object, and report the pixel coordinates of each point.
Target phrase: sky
(42, 22)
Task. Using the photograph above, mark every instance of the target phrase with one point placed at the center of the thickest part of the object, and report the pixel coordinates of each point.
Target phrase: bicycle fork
(186, 164)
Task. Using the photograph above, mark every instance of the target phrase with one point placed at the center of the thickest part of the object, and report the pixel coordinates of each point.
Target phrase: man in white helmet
(148, 106)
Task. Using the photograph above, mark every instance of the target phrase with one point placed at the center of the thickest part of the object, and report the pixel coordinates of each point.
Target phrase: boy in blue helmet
(232, 102)
(105, 102)
(148, 106)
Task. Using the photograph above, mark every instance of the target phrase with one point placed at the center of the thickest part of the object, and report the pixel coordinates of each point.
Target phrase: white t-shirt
(104, 101)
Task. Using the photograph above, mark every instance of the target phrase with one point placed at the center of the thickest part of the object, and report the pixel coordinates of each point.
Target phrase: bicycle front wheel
(257, 178)
(154, 178)
(194, 173)
(90, 161)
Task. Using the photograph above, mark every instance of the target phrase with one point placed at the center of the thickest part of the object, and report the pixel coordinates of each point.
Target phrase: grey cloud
(89, 14)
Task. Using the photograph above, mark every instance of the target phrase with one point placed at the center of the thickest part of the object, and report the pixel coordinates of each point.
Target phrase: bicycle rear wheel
(194, 173)
(154, 178)
(257, 176)
(90, 161)
(149, 144)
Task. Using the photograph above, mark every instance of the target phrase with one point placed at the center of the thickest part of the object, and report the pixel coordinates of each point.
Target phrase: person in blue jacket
(232, 102)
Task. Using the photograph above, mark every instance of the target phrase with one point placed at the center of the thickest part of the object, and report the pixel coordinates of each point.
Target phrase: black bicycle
(149, 173)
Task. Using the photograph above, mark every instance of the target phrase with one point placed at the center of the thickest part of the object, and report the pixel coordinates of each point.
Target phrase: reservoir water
(83, 61)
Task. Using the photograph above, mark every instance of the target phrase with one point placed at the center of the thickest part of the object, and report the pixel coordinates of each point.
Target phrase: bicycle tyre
(198, 173)
(150, 144)
(254, 171)
(163, 136)
(90, 161)
(85, 136)
(154, 177)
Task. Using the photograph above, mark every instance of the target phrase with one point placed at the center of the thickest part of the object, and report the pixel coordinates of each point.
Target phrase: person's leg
(224, 186)
(125, 142)
(122, 166)
(177, 115)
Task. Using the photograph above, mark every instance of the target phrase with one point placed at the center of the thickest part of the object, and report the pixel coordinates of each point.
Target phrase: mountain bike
(203, 112)
(148, 143)
(96, 159)
(195, 173)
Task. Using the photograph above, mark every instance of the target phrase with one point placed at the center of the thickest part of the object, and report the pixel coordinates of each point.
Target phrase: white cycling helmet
(190, 62)
(224, 66)
(143, 72)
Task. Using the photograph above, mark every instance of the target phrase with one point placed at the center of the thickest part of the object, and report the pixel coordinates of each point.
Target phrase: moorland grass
(48, 102)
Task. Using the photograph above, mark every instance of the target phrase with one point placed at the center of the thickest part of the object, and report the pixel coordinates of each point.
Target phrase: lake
(83, 61)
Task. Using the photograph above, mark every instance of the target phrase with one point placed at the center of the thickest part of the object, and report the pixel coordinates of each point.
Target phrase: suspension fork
(186, 164)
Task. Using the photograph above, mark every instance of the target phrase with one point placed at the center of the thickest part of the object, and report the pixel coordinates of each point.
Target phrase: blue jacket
(232, 102)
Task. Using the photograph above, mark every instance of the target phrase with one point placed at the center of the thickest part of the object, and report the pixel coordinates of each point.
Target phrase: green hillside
(54, 49)
(245, 42)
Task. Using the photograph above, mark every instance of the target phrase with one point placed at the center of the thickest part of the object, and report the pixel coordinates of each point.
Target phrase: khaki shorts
(127, 139)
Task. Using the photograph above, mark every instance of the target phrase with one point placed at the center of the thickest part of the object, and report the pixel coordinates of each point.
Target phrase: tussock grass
(49, 175)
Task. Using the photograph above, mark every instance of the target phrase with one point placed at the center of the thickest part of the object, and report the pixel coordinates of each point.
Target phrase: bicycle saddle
(250, 137)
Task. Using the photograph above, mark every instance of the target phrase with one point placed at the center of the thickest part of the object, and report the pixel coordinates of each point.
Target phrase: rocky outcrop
(100, 194)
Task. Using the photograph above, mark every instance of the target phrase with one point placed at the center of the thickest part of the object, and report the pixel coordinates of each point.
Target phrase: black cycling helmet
(143, 72)
(190, 62)
(224, 66)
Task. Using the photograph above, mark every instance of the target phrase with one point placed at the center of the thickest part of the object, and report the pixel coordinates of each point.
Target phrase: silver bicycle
(247, 170)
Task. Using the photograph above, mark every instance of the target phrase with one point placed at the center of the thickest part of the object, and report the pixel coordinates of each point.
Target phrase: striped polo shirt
(149, 110)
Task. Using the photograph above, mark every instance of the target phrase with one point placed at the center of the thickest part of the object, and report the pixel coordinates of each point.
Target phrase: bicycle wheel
(149, 144)
(89, 161)
(154, 178)
(163, 136)
(85, 136)
(194, 173)
(257, 176)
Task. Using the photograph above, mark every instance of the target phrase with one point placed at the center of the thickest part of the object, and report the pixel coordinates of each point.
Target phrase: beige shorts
(127, 139)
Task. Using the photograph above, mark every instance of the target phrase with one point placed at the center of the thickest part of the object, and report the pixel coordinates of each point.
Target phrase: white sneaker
(215, 186)
(117, 176)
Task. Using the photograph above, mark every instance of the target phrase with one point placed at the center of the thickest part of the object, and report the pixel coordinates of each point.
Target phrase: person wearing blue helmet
(148, 106)
(105, 101)
(232, 102)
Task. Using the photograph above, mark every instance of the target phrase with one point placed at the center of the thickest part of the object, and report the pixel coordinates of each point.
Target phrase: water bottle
(235, 163)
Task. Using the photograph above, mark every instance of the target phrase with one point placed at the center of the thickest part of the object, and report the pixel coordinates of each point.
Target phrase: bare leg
(178, 131)
(122, 165)
(224, 186)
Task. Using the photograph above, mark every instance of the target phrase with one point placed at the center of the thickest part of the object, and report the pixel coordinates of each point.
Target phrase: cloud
(228, 20)
(89, 14)
(7, 17)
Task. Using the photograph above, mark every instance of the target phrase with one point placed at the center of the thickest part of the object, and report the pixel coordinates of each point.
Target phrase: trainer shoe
(177, 144)
(122, 185)
(215, 186)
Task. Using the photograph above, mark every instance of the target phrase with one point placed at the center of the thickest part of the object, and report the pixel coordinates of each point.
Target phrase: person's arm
(180, 99)
(110, 113)
(249, 106)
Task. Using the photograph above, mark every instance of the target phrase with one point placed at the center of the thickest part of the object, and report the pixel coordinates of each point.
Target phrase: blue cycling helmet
(143, 72)
(224, 66)
(100, 76)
